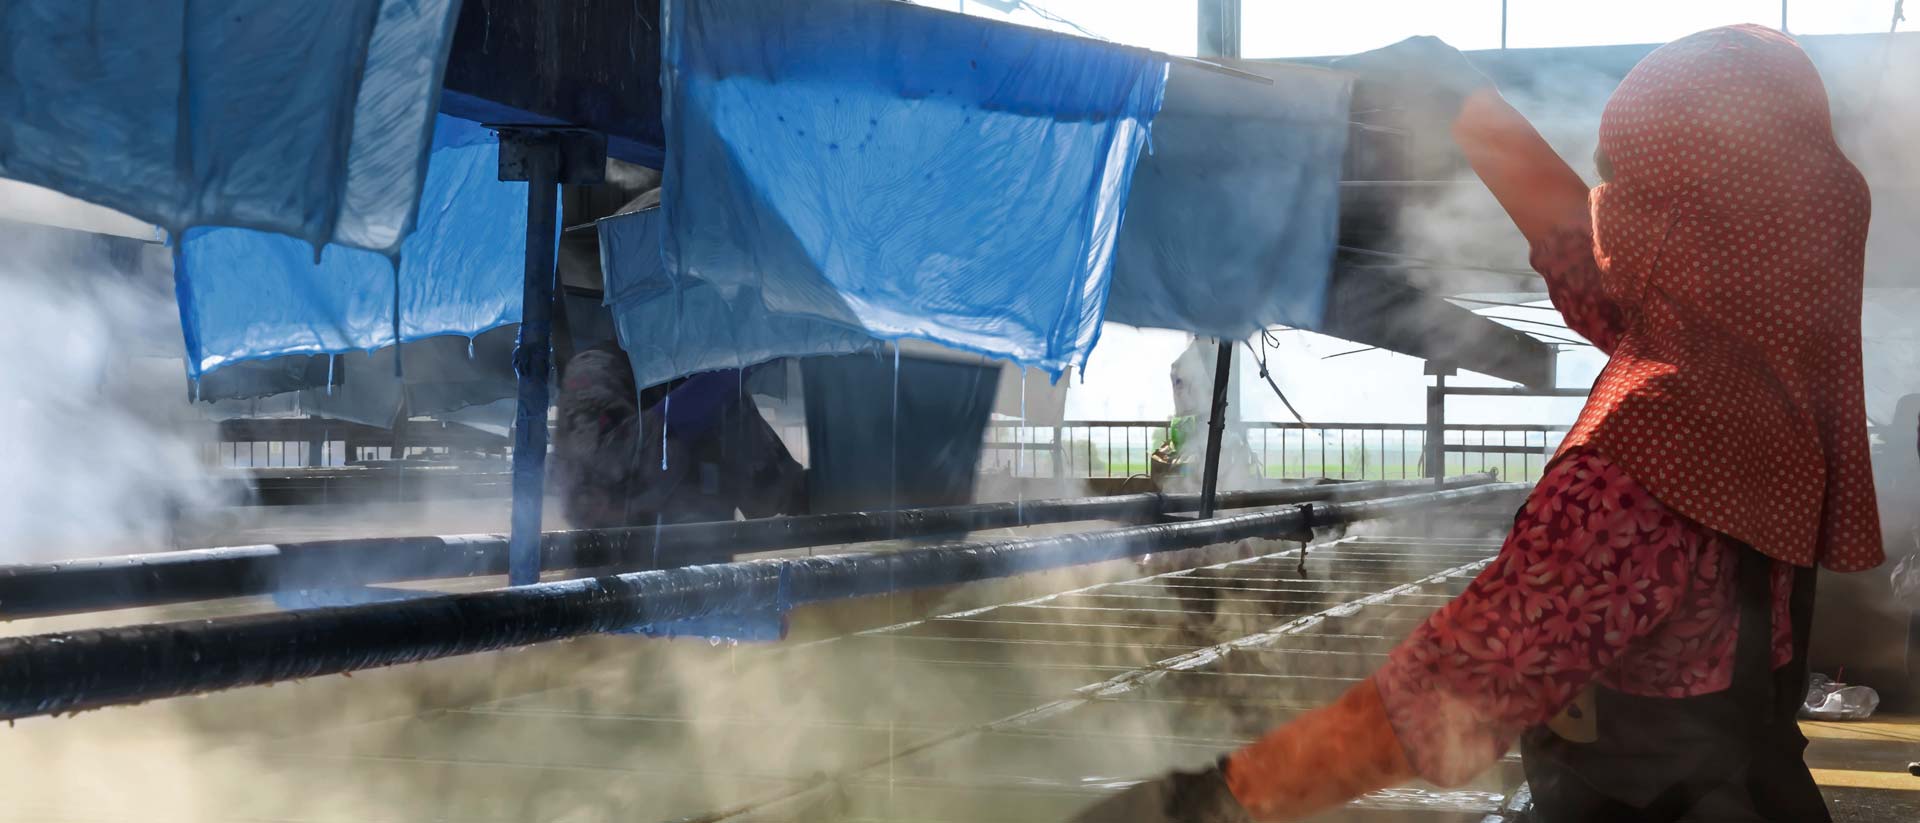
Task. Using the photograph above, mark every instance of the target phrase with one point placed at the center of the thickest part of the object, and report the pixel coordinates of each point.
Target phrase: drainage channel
(1153, 673)
(1020, 711)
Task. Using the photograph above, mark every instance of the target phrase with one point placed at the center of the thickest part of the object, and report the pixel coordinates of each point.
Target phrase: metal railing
(1073, 449)
(1345, 451)
(315, 443)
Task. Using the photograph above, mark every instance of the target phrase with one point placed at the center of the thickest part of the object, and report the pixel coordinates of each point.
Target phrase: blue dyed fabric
(672, 324)
(247, 294)
(306, 119)
(899, 171)
(1234, 216)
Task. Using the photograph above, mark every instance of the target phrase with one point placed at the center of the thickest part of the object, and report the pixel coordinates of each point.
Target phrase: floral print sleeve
(1593, 565)
(1565, 258)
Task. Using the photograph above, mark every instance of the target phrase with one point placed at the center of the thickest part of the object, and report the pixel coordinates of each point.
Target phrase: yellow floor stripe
(1898, 729)
(1851, 779)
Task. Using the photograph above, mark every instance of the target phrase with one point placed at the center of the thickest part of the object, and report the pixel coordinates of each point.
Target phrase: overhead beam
(594, 64)
(1367, 306)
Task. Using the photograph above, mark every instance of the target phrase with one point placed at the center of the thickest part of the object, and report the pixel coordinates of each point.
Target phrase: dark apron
(1734, 755)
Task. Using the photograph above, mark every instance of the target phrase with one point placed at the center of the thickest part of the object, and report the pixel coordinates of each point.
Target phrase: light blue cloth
(899, 171)
(307, 119)
(1234, 215)
(246, 294)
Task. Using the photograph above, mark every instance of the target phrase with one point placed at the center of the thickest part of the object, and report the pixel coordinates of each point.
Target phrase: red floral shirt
(1598, 581)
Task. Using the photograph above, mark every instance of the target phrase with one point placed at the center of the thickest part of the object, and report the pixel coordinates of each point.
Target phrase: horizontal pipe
(67, 587)
(75, 671)
(1511, 391)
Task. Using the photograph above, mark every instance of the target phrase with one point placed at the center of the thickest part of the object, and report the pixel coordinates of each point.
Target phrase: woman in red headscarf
(1641, 632)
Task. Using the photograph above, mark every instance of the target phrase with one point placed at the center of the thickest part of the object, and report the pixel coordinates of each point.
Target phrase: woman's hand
(1178, 797)
(1435, 86)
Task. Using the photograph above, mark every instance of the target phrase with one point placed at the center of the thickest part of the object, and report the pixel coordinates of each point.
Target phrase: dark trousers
(1735, 755)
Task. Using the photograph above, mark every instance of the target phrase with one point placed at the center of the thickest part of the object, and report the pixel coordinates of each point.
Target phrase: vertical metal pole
(1216, 428)
(1437, 428)
(1219, 28)
(316, 437)
(531, 359)
(1503, 22)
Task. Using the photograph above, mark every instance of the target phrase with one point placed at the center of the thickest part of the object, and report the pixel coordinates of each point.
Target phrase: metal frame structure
(93, 584)
(1437, 395)
(545, 157)
(74, 671)
(1027, 709)
(1213, 646)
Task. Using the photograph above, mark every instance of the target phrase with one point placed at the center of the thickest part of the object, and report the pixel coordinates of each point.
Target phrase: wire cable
(1260, 358)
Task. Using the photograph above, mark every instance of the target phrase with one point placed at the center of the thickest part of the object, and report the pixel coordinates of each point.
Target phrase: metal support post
(544, 157)
(316, 441)
(1437, 420)
(1219, 28)
(398, 446)
(1216, 428)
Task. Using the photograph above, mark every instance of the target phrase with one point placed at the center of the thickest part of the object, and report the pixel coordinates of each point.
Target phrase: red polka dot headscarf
(1732, 232)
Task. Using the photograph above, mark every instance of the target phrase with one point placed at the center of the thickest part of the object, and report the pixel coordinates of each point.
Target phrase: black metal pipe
(75, 671)
(1511, 391)
(1216, 428)
(66, 587)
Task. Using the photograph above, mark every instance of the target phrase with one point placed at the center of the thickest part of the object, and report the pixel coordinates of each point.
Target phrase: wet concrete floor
(928, 707)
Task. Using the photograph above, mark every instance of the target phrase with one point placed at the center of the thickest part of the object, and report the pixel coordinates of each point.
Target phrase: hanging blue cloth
(672, 325)
(1233, 218)
(247, 294)
(306, 119)
(900, 171)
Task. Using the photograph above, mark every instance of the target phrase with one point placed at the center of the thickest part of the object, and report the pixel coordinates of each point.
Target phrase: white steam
(93, 465)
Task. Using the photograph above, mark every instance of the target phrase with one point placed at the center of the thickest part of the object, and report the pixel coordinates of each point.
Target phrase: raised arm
(1538, 189)
(1433, 83)
(1548, 202)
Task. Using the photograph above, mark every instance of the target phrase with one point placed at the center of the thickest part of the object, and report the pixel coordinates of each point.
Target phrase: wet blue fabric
(307, 119)
(886, 432)
(1234, 215)
(247, 294)
(900, 171)
(443, 374)
(675, 324)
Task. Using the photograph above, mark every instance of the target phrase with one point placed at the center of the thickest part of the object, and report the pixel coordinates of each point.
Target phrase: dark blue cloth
(306, 119)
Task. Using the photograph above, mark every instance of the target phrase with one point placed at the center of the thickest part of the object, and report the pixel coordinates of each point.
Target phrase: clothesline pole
(1216, 428)
(1219, 28)
(544, 157)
